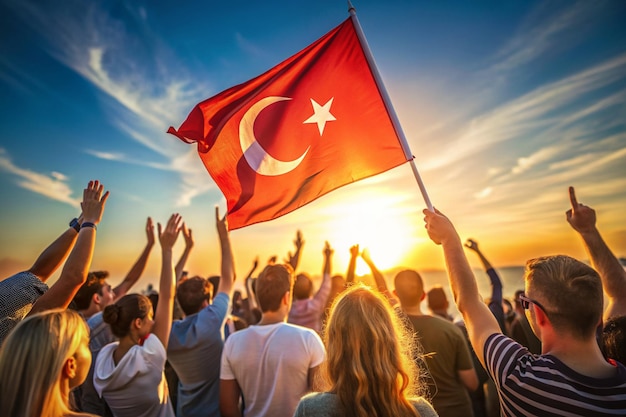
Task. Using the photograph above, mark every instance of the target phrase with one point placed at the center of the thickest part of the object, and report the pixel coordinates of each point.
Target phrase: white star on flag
(321, 114)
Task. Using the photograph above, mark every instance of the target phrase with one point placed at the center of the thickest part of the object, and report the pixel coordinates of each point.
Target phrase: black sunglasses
(525, 302)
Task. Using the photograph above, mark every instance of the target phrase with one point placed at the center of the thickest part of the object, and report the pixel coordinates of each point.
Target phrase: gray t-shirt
(323, 404)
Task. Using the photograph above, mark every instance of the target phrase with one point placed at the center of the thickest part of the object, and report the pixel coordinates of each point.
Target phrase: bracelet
(88, 224)
(74, 223)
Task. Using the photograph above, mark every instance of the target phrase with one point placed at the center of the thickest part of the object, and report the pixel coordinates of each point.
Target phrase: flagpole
(392, 113)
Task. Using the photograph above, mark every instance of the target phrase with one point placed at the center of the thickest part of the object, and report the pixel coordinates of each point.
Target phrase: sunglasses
(526, 302)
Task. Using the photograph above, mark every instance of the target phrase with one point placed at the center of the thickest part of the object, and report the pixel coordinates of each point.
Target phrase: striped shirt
(542, 385)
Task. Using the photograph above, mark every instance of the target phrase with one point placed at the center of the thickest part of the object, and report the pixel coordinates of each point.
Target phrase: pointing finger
(572, 198)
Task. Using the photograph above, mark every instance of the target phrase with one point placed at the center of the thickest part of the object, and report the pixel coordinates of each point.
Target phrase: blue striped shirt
(542, 385)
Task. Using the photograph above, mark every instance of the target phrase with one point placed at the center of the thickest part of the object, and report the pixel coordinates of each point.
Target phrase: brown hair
(302, 287)
(272, 284)
(94, 283)
(192, 292)
(570, 291)
(128, 308)
(409, 287)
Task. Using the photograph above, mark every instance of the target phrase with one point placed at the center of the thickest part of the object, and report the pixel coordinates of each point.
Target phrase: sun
(379, 225)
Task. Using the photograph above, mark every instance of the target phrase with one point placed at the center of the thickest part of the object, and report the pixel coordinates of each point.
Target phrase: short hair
(409, 287)
(302, 287)
(570, 291)
(272, 284)
(192, 292)
(613, 341)
(93, 285)
(370, 361)
(124, 311)
(437, 299)
(32, 360)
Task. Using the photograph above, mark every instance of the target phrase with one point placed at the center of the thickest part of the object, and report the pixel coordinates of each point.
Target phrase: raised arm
(583, 219)
(294, 259)
(321, 296)
(227, 277)
(75, 270)
(478, 319)
(189, 242)
(53, 256)
(354, 254)
(381, 284)
(167, 283)
(140, 264)
(495, 305)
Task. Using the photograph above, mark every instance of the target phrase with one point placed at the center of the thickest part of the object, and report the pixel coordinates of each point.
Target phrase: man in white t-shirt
(273, 364)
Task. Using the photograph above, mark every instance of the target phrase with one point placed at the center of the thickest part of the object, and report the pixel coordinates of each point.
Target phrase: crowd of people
(281, 347)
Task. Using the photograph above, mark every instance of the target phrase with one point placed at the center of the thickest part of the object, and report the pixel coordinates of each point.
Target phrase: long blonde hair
(369, 365)
(32, 359)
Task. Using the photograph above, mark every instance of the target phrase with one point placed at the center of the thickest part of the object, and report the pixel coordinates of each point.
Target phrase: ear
(95, 298)
(423, 296)
(137, 323)
(540, 317)
(69, 368)
(286, 298)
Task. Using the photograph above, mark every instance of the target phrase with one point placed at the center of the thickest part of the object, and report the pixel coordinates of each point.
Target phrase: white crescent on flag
(257, 157)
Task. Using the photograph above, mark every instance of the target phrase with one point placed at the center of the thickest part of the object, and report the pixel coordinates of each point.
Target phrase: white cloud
(51, 185)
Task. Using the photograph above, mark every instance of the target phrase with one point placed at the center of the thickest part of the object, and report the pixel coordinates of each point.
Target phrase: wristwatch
(74, 223)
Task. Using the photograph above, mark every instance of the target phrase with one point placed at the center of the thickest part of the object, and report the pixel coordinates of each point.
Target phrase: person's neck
(413, 310)
(272, 317)
(126, 343)
(90, 311)
(582, 356)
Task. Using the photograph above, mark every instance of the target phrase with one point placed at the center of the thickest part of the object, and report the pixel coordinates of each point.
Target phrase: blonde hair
(369, 364)
(32, 359)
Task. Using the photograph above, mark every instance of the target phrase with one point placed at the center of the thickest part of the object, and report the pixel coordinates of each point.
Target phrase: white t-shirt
(136, 387)
(271, 365)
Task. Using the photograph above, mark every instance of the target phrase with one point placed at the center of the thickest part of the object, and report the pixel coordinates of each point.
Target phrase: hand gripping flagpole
(388, 105)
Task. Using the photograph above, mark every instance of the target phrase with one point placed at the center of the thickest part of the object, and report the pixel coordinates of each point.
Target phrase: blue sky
(504, 105)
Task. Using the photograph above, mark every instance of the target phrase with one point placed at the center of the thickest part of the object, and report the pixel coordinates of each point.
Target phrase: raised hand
(168, 236)
(188, 236)
(471, 244)
(150, 231)
(582, 218)
(298, 242)
(93, 202)
(365, 254)
(220, 223)
(328, 251)
(440, 229)
(354, 251)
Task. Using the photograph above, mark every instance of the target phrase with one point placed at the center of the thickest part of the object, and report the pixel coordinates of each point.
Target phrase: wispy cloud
(53, 185)
(543, 32)
(144, 85)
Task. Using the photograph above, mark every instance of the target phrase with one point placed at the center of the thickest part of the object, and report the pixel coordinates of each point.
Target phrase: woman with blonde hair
(42, 359)
(369, 368)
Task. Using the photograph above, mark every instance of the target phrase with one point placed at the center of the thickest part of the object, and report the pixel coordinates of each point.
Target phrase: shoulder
(317, 402)
(423, 407)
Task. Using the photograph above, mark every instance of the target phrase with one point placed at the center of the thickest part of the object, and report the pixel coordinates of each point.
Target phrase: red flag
(311, 124)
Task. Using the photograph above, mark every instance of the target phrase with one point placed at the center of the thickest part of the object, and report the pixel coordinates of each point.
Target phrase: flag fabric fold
(311, 124)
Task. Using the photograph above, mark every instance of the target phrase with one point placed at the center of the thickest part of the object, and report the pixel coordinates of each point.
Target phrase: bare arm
(354, 253)
(228, 265)
(139, 266)
(189, 242)
(583, 219)
(294, 259)
(163, 315)
(381, 284)
(75, 270)
(248, 284)
(478, 319)
(229, 398)
(53, 256)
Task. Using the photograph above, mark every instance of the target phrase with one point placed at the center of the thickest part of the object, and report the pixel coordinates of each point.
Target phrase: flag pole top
(351, 8)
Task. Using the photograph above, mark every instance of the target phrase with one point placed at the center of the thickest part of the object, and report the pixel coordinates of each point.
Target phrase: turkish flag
(311, 124)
